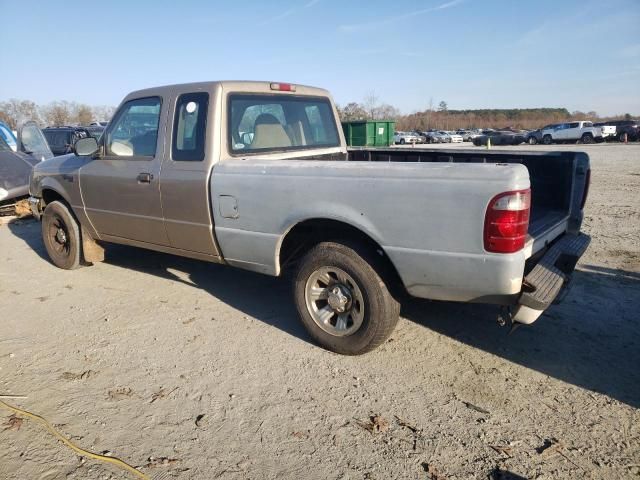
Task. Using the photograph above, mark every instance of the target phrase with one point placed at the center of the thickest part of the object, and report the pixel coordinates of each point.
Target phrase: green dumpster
(369, 133)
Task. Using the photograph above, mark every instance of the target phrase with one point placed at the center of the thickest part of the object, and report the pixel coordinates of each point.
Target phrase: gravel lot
(199, 371)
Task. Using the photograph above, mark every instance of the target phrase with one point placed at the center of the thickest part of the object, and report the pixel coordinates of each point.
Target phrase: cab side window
(190, 127)
(134, 130)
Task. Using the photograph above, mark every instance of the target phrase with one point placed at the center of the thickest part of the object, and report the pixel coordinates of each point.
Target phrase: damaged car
(16, 166)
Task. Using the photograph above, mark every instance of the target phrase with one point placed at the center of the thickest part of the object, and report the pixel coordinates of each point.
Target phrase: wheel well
(308, 233)
(49, 195)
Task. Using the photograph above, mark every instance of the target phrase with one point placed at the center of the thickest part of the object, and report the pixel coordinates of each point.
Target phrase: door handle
(145, 178)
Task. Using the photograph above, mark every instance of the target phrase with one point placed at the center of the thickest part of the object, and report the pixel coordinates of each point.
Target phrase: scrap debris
(475, 407)
(550, 446)
(154, 462)
(503, 450)
(119, 393)
(432, 472)
(199, 420)
(375, 424)
(13, 423)
(78, 376)
(161, 394)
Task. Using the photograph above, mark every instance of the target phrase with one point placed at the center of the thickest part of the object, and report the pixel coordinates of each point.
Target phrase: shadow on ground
(591, 340)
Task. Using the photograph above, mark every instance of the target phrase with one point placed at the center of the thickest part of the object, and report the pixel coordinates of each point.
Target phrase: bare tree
(103, 113)
(353, 111)
(370, 104)
(83, 115)
(58, 113)
(386, 112)
(14, 112)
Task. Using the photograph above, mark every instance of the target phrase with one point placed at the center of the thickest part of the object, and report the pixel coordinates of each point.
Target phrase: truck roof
(227, 85)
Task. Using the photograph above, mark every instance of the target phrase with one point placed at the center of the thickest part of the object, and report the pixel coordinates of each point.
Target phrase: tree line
(441, 118)
(54, 114)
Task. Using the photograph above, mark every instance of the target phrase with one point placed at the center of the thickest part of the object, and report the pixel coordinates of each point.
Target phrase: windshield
(8, 137)
(263, 123)
(33, 141)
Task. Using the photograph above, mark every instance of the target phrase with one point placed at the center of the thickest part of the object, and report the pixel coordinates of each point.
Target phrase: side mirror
(85, 147)
(247, 138)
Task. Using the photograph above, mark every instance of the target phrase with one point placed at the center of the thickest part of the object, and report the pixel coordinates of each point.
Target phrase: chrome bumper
(36, 207)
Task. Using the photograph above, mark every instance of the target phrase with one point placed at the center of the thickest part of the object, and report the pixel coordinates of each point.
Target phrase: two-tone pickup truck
(256, 175)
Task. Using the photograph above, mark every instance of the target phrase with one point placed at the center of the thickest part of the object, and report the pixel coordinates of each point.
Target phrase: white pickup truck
(583, 132)
(257, 175)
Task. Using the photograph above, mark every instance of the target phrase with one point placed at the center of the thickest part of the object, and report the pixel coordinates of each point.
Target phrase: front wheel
(342, 301)
(61, 236)
(402, 141)
(587, 138)
(533, 141)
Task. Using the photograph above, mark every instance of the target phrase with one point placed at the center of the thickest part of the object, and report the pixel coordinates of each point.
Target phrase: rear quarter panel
(428, 218)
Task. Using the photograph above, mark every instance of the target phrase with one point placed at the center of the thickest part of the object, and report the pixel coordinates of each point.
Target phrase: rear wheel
(533, 141)
(547, 140)
(342, 301)
(402, 141)
(61, 236)
(587, 138)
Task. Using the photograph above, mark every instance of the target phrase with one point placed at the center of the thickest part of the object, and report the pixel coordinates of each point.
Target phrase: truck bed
(551, 175)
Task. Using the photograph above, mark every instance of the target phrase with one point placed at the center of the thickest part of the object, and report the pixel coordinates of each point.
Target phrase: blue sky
(579, 54)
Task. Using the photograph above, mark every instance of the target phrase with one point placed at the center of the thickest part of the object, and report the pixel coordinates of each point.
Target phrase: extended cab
(256, 175)
(584, 132)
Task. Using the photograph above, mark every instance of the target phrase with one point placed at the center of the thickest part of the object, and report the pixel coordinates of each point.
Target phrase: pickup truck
(583, 132)
(256, 175)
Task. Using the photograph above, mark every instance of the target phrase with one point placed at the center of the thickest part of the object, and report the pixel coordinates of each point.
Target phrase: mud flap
(92, 252)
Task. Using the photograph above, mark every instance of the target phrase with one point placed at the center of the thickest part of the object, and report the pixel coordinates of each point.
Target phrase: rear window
(57, 138)
(269, 123)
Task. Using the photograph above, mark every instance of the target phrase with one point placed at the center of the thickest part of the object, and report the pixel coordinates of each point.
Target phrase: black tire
(547, 140)
(61, 236)
(380, 310)
(533, 141)
(587, 138)
(621, 137)
(402, 141)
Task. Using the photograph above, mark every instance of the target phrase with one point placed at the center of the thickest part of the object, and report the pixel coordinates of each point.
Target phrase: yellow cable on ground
(68, 443)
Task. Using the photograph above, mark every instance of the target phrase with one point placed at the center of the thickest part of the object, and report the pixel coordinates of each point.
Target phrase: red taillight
(283, 87)
(587, 183)
(507, 221)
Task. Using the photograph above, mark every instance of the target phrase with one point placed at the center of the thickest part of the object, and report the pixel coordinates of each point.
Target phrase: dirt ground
(196, 371)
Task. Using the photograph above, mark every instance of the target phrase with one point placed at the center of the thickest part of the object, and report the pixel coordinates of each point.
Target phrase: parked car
(629, 127)
(95, 130)
(419, 137)
(61, 139)
(453, 137)
(535, 136)
(581, 131)
(498, 137)
(294, 198)
(429, 136)
(16, 166)
(404, 137)
(7, 135)
(469, 135)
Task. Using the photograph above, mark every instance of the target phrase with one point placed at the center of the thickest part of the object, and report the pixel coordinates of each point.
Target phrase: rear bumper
(547, 280)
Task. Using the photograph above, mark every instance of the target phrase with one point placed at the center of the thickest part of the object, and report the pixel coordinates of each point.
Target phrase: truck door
(121, 189)
(572, 132)
(184, 183)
